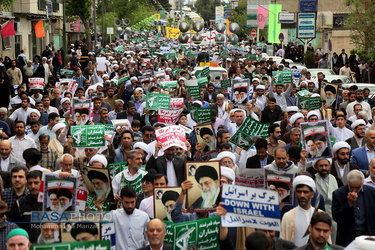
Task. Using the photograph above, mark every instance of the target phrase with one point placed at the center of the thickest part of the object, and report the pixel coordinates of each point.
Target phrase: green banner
(225, 84)
(205, 72)
(115, 168)
(251, 57)
(106, 206)
(168, 84)
(152, 49)
(105, 50)
(67, 73)
(202, 82)
(250, 127)
(119, 48)
(274, 27)
(193, 91)
(309, 103)
(121, 81)
(196, 234)
(136, 183)
(77, 245)
(170, 56)
(201, 115)
(282, 77)
(224, 54)
(156, 101)
(303, 92)
(175, 71)
(88, 136)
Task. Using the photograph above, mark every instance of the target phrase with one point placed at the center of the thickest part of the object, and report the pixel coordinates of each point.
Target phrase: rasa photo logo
(40, 217)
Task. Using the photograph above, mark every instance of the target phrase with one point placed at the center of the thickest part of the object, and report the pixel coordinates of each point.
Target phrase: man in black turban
(100, 181)
(169, 199)
(85, 231)
(65, 199)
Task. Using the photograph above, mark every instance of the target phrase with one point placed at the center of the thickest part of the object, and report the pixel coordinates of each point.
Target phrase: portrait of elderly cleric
(163, 206)
(98, 182)
(59, 194)
(205, 135)
(206, 185)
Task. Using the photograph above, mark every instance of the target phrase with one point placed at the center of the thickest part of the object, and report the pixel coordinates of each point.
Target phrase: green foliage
(109, 20)
(308, 59)
(361, 21)
(165, 4)
(239, 15)
(6, 4)
(206, 8)
(135, 10)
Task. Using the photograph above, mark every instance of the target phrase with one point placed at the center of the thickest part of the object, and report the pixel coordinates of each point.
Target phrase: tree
(81, 9)
(239, 16)
(109, 20)
(6, 4)
(361, 21)
(206, 8)
(135, 10)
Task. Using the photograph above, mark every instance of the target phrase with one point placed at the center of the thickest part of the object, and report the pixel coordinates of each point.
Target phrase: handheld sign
(36, 83)
(282, 77)
(88, 136)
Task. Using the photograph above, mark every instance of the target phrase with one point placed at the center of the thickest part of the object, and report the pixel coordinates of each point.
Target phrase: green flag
(274, 27)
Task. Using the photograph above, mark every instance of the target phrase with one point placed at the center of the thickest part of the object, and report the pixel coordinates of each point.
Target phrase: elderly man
(49, 155)
(208, 181)
(353, 209)
(55, 205)
(130, 176)
(304, 188)
(370, 180)
(48, 231)
(8, 161)
(18, 238)
(101, 184)
(65, 106)
(65, 199)
(228, 159)
(66, 165)
(118, 107)
(294, 122)
(155, 233)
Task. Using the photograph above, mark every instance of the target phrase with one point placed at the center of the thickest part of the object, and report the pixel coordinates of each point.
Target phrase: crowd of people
(334, 197)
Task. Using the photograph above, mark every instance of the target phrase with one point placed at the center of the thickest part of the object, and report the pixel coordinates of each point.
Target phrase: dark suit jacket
(353, 143)
(207, 99)
(136, 116)
(165, 247)
(343, 214)
(160, 165)
(359, 158)
(309, 246)
(253, 162)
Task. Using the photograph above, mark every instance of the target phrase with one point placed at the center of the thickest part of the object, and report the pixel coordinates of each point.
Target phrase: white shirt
(116, 182)
(147, 206)
(21, 145)
(37, 167)
(17, 100)
(303, 217)
(365, 107)
(51, 110)
(4, 164)
(341, 134)
(74, 172)
(232, 127)
(171, 174)
(142, 108)
(20, 114)
(130, 229)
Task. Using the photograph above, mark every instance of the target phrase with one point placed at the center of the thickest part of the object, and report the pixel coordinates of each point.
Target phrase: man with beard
(143, 149)
(155, 233)
(126, 139)
(21, 114)
(358, 140)
(325, 185)
(15, 74)
(169, 199)
(130, 223)
(49, 155)
(101, 184)
(133, 172)
(47, 235)
(358, 100)
(362, 156)
(312, 147)
(321, 145)
(272, 112)
(65, 199)
(273, 140)
(279, 95)
(85, 231)
(370, 180)
(239, 117)
(208, 136)
(65, 106)
(18, 188)
(21, 208)
(220, 105)
(52, 194)
(240, 96)
(7, 161)
(147, 205)
(111, 96)
(20, 142)
(169, 165)
(5, 226)
(208, 181)
(281, 162)
(304, 188)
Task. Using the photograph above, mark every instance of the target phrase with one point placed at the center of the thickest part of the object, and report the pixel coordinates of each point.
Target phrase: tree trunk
(86, 23)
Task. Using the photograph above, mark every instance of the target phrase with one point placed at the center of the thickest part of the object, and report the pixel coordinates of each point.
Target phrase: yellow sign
(157, 16)
(172, 32)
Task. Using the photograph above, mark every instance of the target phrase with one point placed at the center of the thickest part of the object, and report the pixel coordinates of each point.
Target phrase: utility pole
(64, 35)
(95, 35)
(103, 23)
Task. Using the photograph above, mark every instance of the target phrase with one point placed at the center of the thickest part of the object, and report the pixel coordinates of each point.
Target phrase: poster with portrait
(164, 200)
(121, 125)
(205, 193)
(59, 194)
(241, 91)
(282, 183)
(83, 228)
(81, 110)
(316, 140)
(328, 94)
(98, 182)
(206, 137)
